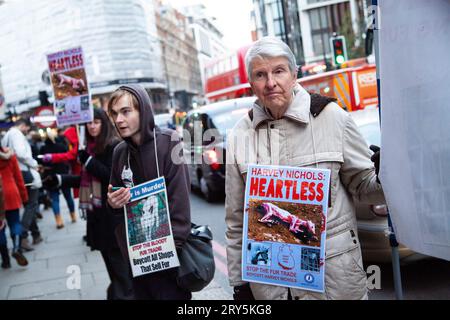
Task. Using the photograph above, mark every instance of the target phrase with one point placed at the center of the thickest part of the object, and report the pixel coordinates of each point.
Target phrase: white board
(414, 62)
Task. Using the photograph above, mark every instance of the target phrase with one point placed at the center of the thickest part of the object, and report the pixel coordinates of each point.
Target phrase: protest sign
(151, 246)
(72, 103)
(285, 218)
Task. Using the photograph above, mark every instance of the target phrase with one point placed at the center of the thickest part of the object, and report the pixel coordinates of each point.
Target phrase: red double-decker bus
(226, 78)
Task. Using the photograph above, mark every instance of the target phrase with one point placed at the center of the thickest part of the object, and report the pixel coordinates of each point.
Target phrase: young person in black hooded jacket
(96, 160)
(130, 108)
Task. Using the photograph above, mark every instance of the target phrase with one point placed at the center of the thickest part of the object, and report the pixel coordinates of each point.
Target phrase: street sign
(44, 117)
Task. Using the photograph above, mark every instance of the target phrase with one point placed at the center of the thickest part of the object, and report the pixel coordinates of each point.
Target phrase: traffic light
(339, 50)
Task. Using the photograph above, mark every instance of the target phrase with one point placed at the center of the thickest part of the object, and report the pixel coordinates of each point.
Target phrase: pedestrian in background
(36, 143)
(306, 131)
(70, 157)
(54, 147)
(144, 155)
(14, 194)
(16, 140)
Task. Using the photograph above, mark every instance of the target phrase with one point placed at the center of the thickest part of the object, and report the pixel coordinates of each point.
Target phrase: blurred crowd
(36, 168)
(27, 161)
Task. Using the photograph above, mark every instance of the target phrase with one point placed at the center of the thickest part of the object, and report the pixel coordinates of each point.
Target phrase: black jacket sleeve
(70, 181)
(114, 178)
(101, 169)
(178, 187)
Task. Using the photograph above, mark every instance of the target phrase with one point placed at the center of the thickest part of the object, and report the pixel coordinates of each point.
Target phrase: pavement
(62, 267)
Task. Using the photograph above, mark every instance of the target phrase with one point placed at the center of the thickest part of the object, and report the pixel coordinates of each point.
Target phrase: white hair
(269, 47)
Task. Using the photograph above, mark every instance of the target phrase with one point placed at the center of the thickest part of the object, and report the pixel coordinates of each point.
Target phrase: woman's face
(94, 128)
(273, 83)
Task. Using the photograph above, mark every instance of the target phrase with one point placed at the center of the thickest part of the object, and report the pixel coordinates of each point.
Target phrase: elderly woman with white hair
(291, 127)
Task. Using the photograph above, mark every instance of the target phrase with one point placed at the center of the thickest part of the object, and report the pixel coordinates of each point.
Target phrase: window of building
(315, 1)
(324, 21)
(261, 9)
(204, 43)
(320, 30)
(293, 31)
(277, 11)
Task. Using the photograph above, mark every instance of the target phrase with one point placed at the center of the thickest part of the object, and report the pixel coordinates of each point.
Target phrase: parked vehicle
(206, 157)
(164, 120)
(372, 219)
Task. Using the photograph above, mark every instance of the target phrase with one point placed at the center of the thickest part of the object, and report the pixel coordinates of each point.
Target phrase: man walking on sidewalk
(16, 140)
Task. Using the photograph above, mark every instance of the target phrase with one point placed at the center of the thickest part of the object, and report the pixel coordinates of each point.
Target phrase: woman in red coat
(15, 194)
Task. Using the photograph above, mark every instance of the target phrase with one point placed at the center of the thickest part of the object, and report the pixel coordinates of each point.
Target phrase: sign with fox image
(72, 100)
(285, 215)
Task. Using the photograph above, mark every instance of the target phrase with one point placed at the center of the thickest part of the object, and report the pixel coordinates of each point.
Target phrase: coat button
(272, 126)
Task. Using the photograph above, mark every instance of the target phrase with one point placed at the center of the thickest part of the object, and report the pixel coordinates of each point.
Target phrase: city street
(52, 264)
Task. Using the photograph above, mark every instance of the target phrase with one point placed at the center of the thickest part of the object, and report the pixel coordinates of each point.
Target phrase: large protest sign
(414, 65)
(285, 217)
(151, 246)
(72, 103)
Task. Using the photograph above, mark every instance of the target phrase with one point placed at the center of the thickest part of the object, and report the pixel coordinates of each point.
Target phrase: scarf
(90, 187)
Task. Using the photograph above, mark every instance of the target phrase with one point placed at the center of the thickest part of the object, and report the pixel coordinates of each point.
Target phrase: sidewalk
(52, 264)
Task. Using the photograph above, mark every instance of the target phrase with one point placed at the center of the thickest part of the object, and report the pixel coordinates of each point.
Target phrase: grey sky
(233, 18)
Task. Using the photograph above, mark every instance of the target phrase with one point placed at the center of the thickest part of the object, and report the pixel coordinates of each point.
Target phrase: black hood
(146, 118)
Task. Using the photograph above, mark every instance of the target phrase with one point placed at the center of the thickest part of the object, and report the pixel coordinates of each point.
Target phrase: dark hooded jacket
(143, 166)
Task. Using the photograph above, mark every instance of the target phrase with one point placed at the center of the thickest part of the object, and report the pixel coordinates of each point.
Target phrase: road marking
(217, 247)
(221, 252)
(222, 267)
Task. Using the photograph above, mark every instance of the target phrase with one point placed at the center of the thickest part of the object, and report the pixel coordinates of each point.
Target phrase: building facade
(208, 37)
(180, 57)
(119, 41)
(320, 19)
(278, 18)
(309, 24)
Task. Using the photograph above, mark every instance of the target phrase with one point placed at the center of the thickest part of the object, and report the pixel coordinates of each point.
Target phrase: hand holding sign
(118, 198)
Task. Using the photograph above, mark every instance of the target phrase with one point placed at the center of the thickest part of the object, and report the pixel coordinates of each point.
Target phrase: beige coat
(330, 140)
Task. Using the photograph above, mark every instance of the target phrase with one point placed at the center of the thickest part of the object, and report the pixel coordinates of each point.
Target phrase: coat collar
(297, 111)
